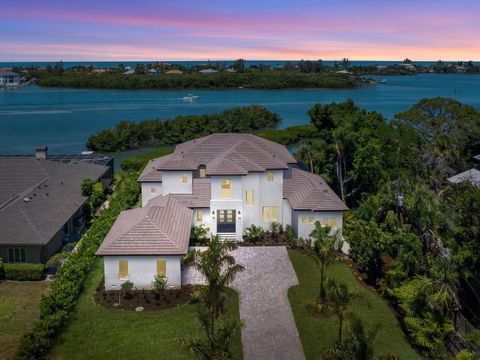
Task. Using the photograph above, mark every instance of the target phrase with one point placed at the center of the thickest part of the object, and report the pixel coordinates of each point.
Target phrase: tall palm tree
(325, 247)
(213, 344)
(440, 288)
(219, 268)
(338, 299)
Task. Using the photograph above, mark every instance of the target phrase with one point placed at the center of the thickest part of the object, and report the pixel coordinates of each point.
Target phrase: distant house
(461, 69)
(99, 71)
(382, 67)
(208, 71)
(472, 176)
(231, 70)
(226, 182)
(129, 72)
(9, 78)
(344, 72)
(152, 72)
(175, 71)
(409, 67)
(41, 202)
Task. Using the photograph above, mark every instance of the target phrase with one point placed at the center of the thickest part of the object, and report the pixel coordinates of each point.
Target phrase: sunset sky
(84, 30)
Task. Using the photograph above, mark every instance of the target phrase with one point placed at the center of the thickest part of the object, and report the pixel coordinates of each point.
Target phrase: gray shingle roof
(472, 176)
(159, 229)
(307, 191)
(53, 193)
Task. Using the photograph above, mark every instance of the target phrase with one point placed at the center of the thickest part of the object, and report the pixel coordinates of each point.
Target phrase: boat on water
(383, 81)
(190, 97)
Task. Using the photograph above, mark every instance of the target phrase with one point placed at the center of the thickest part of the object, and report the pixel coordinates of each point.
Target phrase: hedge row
(57, 305)
(28, 271)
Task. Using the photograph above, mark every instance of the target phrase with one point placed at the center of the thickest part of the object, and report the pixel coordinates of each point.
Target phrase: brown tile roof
(307, 191)
(229, 154)
(161, 229)
(151, 172)
(200, 197)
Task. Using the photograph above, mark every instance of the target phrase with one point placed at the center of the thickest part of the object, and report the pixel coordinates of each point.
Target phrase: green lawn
(318, 334)
(99, 333)
(18, 309)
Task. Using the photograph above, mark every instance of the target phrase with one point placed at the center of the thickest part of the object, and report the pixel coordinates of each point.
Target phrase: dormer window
(269, 176)
(184, 179)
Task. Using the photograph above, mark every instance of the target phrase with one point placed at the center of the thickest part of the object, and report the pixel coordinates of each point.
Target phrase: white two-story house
(226, 182)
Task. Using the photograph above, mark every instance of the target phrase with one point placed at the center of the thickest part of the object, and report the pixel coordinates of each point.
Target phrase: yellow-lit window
(229, 216)
(274, 213)
(153, 190)
(123, 269)
(266, 213)
(199, 215)
(184, 179)
(202, 172)
(333, 223)
(303, 219)
(311, 220)
(226, 188)
(269, 176)
(249, 199)
(162, 267)
(325, 222)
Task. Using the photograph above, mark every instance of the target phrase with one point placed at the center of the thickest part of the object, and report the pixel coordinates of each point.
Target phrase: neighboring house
(41, 203)
(226, 182)
(208, 71)
(472, 176)
(9, 78)
(174, 71)
(129, 72)
(152, 72)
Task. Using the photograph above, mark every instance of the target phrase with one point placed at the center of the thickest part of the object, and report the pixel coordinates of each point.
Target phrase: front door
(225, 221)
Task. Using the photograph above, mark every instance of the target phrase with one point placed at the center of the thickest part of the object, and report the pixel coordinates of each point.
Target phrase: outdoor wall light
(239, 214)
(213, 214)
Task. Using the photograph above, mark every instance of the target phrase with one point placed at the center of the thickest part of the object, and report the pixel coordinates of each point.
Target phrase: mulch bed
(143, 298)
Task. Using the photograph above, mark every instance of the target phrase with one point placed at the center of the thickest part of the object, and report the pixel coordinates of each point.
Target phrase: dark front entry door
(225, 221)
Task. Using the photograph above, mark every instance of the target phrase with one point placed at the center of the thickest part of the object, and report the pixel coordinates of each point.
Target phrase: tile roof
(53, 194)
(223, 154)
(151, 171)
(159, 229)
(472, 175)
(307, 191)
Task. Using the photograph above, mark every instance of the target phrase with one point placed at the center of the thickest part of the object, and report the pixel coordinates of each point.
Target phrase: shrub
(87, 187)
(159, 285)
(126, 287)
(28, 271)
(199, 234)
(56, 260)
(275, 228)
(254, 234)
(2, 273)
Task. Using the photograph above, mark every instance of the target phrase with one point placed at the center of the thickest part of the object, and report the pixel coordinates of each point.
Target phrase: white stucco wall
(232, 203)
(205, 217)
(287, 213)
(141, 271)
(172, 182)
(271, 194)
(147, 194)
(303, 230)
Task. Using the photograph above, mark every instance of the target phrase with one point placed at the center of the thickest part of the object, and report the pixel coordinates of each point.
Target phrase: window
(270, 213)
(269, 176)
(202, 172)
(307, 220)
(123, 269)
(249, 197)
(184, 179)
(162, 268)
(199, 215)
(226, 188)
(153, 190)
(17, 255)
(332, 222)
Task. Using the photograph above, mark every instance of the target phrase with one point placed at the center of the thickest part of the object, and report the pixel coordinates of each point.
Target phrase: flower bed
(147, 299)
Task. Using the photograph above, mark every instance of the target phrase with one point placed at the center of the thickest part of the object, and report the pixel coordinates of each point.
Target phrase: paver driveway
(269, 331)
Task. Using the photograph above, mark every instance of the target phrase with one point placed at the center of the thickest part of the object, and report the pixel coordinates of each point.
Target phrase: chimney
(41, 152)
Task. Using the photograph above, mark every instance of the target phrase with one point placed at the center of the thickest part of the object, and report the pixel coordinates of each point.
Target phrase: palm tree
(440, 289)
(219, 268)
(325, 247)
(213, 344)
(338, 299)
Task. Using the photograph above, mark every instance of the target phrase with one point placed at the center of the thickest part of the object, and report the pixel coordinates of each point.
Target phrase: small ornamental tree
(126, 287)
(159, 285)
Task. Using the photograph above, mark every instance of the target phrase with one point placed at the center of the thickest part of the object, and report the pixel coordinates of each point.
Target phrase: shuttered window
(123, 269)
(270, 213)
(249, 197)
(162, 267)
(199, 215)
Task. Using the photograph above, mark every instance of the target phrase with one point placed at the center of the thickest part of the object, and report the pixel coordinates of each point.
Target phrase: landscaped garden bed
(143, 300)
